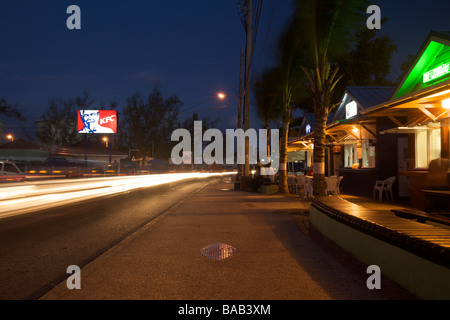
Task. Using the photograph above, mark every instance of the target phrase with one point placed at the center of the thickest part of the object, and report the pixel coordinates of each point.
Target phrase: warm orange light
(446, 104)
(221, 96)
(10, 137)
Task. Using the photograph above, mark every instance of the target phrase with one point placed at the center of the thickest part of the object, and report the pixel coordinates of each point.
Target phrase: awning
(404, 130)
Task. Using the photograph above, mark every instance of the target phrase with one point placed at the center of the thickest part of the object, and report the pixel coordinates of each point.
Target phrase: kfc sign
(97, 121)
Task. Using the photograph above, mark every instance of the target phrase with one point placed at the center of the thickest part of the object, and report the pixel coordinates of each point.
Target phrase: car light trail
(22, 198)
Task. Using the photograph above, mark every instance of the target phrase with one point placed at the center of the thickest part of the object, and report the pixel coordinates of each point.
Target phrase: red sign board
(97, 121)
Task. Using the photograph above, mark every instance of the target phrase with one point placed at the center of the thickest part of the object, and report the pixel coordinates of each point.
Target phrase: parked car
(58, 167)
(10, 172)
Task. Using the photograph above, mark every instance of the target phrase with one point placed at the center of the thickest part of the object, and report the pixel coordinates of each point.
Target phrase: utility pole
(239, 121)
(248, 62)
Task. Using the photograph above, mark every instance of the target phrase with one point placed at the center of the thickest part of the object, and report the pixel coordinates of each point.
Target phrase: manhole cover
(218, 251)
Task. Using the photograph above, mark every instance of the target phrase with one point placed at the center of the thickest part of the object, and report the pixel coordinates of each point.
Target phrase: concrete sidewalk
(277, 256)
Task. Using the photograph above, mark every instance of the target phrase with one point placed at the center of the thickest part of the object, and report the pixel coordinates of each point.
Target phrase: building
(402, 132)
(20, 150)
(355, 150)
(420, 106)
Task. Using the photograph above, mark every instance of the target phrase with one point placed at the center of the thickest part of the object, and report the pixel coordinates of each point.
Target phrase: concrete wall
(425, 278)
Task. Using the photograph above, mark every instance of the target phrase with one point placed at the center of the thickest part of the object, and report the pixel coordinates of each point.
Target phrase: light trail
(22, 198)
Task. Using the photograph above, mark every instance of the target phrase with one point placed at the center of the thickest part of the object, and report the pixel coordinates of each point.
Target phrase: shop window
(350, 155)
(368, 154)
(351, 110)
(428, 146)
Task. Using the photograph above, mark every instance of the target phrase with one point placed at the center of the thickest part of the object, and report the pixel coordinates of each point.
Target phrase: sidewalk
(276, 257)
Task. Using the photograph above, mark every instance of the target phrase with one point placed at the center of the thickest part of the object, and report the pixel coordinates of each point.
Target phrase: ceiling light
(446, 103)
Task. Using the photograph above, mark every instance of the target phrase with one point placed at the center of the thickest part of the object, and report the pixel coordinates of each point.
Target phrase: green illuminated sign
(436, 73)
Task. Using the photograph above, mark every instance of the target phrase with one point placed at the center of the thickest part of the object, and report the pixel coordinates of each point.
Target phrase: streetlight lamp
(108, 145)
(10, 137)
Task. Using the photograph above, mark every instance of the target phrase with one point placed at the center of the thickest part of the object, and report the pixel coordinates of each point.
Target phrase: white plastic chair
(384, 186)
(301, 183)
(294, 184)
(332, 185)
(338, 187)
(308, 188)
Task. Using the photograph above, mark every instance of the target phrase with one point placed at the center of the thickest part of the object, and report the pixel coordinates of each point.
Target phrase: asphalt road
(37, 248)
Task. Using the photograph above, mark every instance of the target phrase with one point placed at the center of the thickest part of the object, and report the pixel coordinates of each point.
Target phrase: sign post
(97, 122)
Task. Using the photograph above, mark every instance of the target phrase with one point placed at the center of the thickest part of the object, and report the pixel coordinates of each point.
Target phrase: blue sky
(192, 48)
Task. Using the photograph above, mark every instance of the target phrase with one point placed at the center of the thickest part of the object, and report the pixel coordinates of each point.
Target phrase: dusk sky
(191, 48)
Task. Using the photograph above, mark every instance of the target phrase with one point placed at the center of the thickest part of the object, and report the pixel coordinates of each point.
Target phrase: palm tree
(281, 91)
(266, 106)
(323, 27)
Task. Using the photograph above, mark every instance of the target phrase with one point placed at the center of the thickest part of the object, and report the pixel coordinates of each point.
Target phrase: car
(10, 172)
(58, 167)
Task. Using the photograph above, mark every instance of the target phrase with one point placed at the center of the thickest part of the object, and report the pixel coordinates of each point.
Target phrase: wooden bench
(433, 196)
(421, 216)
(414, 254)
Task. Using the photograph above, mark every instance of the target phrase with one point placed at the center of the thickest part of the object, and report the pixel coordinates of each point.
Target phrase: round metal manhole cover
(218, 251)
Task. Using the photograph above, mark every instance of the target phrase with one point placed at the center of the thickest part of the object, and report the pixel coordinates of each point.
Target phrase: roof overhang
(428, 101)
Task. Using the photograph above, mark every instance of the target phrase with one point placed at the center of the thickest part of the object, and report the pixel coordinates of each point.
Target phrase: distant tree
(406, 65)
(369, 62)
(10, 111)
(267, 102)
(59, 122)
(207, 123)
(147, 124)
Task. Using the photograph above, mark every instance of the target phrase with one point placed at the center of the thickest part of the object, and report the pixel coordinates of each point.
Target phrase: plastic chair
(338, 187)
(293, 184)
(300, 183)
(308, 188)
(384, 186)
(332, 185)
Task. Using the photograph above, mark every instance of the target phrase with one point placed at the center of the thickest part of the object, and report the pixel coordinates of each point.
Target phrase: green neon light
(436, 73)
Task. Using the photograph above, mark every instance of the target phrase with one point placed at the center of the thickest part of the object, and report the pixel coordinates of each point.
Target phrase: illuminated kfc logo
(97, 121)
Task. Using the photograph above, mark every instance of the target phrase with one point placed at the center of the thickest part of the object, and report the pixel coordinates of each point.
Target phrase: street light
(10, 137)
(106, 140)
(221, 95)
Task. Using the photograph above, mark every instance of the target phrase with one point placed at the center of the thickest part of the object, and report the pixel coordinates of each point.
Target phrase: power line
(267, 32)
(190, 109)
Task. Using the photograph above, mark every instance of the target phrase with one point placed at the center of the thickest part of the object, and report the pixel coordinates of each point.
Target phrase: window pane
(349, 155)
(435, 144)
(421, 149)
(10, 169)
(368, 159)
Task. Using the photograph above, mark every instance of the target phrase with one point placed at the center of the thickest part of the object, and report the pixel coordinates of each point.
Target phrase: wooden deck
(427, 241)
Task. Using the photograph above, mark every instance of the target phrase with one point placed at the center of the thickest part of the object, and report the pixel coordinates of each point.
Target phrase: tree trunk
(319, 152)
(282, 172)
